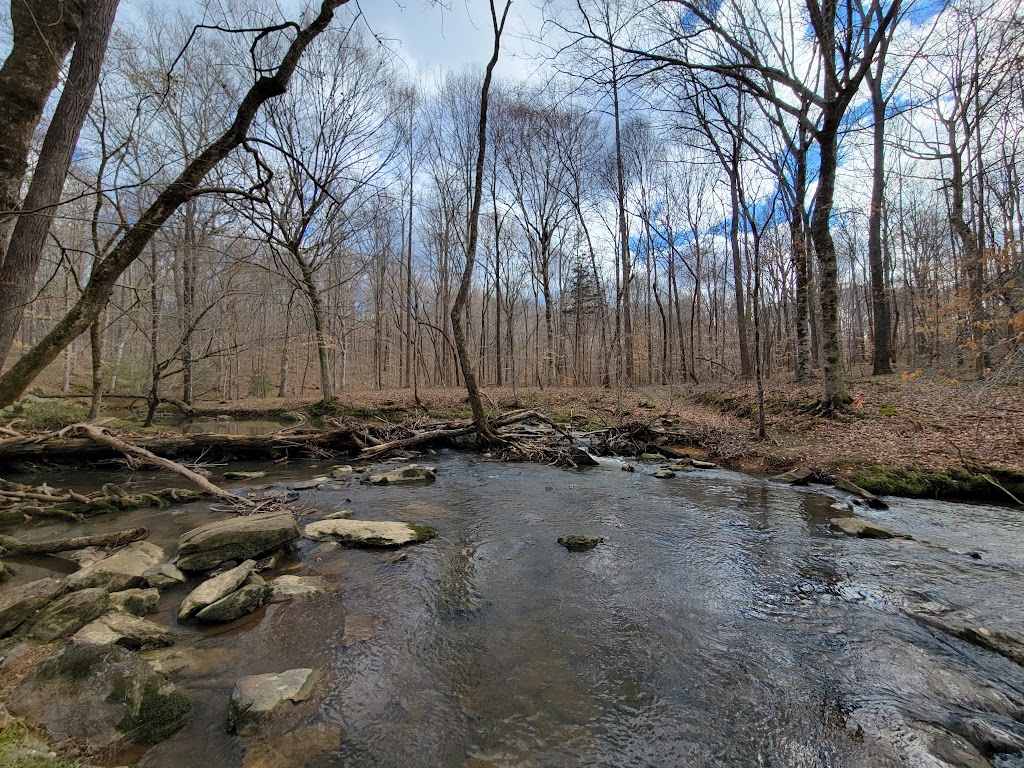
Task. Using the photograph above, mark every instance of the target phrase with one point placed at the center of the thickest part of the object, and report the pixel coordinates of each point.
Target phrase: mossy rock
(20, 749)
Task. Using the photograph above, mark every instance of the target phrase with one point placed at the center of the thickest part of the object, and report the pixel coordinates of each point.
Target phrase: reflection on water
(722, 624)
(249, 427)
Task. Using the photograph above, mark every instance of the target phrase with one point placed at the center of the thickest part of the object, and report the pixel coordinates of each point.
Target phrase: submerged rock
(798, 476)
(238, 603)
(238, 475)
(122, 570)
(237, 538)
(102, 698)
(865, 529)
(17, 604)
(212, 590)
(68, 614)
(580, 543)
(257, 696)
(125, 630)
(369, 533)
(413, 473)
(967, 628)
(307, 485)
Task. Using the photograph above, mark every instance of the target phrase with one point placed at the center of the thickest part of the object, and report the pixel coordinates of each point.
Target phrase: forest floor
(911, 434)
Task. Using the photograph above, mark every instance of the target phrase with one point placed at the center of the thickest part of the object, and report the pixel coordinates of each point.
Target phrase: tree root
(113, 539)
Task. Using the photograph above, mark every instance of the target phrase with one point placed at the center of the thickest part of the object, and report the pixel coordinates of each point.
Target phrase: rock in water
(257, 696)
(102, 697)
(163, 576)
(125, 630)
(581, 458)
(865, 529)
(414, 473)
(239, 475)
(212, 590)
(238, 603)
(872, 501)
(122, 570)
(703, 464)
(237, 538)
(17, 604)
(66, 615)
(137, 602)
(291, 587)
(798, 476)
(369, 533)
(578, 543)
(664, 474)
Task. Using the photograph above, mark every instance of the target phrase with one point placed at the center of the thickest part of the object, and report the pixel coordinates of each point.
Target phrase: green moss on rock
(954, 484)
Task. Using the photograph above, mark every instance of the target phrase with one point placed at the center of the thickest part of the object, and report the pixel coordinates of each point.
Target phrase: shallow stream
(721, 624)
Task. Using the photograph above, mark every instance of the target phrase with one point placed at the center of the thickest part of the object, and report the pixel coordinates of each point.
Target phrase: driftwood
(101, 436)
(114, 539)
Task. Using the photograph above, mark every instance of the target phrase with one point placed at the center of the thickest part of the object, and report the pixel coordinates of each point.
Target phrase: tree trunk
(881, 357)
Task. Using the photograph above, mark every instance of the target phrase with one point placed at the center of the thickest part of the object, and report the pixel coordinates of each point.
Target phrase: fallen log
(113, 539)
(99, 435)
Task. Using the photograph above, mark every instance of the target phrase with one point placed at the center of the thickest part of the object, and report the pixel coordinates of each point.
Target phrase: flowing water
(721, 624)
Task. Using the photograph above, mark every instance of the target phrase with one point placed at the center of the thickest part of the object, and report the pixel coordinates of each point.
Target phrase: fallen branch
(114, 539)
(990, 480)
(101, 436)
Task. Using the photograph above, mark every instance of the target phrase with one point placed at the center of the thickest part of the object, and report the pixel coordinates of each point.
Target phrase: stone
(257, 696)
(581, 458)
(307, 485)
(369, 533)
(681, 467)
(291, 587)
(341, 514)
(102, 698)
(237, 538)
(865, 529)
(664, 474)
(238, 475)
(17, 604)
(309, 745)
(125, 630)
(872, 501)
(579, 543)
(412, 473)
(703, 464)
(651, 457)
(239, 603)
(137, 602)
(163, 576)
(337, 473)
(121, 570)
(68, 614)
(212, 590)
(798, 476)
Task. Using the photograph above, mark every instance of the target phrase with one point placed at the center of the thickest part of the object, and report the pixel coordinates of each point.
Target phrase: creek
(722, 623)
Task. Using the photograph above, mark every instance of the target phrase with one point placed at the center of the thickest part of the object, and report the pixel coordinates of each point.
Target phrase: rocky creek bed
(431, 616)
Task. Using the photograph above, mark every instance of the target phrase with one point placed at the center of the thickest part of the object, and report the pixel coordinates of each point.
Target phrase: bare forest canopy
(245, 205)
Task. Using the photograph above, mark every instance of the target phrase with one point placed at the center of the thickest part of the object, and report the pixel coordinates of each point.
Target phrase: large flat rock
(68, 614)
(257, 696)
(125, 630)
(865, 529)
(369, 533)
(122, 570)
(212, 590)
(238, 538)
(412, 473)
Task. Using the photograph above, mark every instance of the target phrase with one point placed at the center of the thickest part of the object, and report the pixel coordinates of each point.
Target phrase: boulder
(307, 485)
(212, 590)
(238, 603)
(664, 474)
(163, 576)
(68, 614)
(578, 543)
(121, 570)
(17, 604)
(125, 630)
(798, 476)
(237, 538)
(865, 529)
(137, 602)
(412, 473)
(337, 473)
(369, 533)
(291, 587)
(581, 458)
(101, 697)
(257, 696)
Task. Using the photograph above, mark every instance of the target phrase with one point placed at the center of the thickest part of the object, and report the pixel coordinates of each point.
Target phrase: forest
(219, 202)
